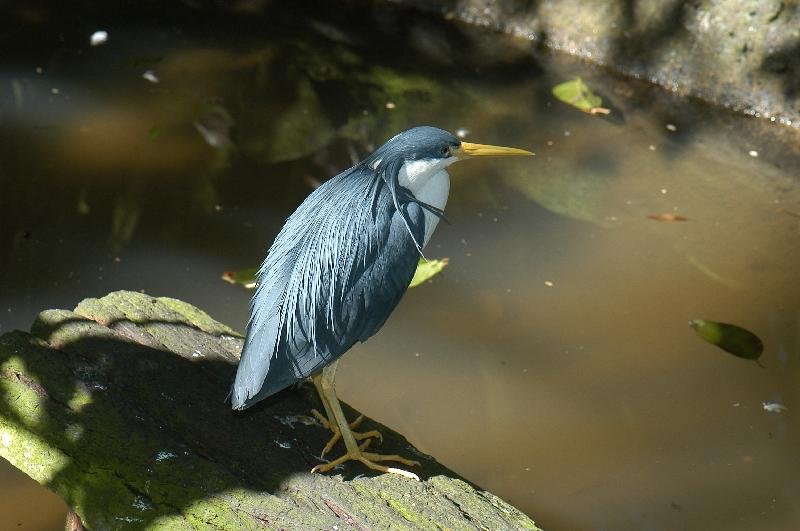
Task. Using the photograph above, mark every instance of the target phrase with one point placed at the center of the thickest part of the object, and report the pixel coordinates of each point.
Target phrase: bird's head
(425, 150)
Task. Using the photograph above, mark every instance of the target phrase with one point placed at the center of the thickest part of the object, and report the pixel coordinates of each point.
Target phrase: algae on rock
(118, 407)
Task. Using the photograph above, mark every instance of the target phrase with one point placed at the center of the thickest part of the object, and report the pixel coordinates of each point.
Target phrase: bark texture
(119, 408)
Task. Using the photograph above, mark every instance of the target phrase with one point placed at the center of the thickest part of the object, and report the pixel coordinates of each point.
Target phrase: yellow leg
(329, 421)
(327, 392)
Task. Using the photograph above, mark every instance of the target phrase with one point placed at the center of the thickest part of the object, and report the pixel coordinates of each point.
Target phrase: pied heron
(338, 268)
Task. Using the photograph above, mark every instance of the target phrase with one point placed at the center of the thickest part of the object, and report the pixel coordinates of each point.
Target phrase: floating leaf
(774, 407)
(245, 277)
(730, 338)
(577, 94)
(426, 269)
(667, 217)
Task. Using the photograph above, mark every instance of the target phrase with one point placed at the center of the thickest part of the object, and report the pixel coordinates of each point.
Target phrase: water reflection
(551, 362)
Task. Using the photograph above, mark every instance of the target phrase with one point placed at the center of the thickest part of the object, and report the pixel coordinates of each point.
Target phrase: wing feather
(335, 272)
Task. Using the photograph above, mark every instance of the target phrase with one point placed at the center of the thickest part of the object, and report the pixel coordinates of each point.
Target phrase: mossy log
(119, 408)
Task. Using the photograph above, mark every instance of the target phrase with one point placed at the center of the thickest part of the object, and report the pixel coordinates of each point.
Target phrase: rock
(119, 408)
(742, 54)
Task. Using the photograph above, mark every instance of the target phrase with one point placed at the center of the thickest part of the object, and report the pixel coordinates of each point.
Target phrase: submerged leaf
(245, 277)
(577, 94)
(730, 338)
(426, 269)
(667, 217)
(83, 204)
(214, 125)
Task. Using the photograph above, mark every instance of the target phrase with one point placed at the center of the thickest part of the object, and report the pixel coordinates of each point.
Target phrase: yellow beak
(469, 149)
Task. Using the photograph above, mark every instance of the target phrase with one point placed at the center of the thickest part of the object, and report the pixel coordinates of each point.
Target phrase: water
(551, 362)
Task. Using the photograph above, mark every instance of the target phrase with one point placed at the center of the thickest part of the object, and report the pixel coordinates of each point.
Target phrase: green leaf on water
(427, 269)
(730, 338)
(154, 133)
(245, 277)
(577, 94)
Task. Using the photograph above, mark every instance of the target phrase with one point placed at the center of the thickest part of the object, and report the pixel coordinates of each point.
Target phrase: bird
(339, 267)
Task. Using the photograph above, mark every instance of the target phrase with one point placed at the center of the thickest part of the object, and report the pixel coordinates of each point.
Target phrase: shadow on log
(118, 407)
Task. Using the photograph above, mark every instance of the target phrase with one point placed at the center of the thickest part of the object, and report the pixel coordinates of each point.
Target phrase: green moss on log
(118, 407)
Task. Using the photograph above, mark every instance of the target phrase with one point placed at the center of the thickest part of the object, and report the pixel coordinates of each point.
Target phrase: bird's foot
(368, 458)
(337, 434)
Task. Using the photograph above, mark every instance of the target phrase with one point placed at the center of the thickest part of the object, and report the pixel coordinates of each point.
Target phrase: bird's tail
(254, 365)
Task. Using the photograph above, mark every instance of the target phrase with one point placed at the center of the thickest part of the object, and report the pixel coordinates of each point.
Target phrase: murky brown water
(551, 362)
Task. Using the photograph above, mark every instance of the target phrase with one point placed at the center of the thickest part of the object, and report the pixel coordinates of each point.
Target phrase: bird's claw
(368, 459)
(359, 436)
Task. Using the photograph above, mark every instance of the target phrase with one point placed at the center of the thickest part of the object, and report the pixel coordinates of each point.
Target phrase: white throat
(429, 181)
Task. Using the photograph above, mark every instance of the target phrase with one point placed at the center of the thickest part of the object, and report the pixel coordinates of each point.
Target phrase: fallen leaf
(667, 217)
(774, 407)
(730, 338)
(245, 277)
(426, 269)
(577, 94)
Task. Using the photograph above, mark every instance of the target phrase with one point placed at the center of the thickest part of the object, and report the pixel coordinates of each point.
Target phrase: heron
(339, 267)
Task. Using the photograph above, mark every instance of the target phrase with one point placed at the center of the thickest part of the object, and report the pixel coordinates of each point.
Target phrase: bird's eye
(445, 151)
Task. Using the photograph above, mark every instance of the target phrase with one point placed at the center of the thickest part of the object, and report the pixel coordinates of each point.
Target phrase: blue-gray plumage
(342, 262)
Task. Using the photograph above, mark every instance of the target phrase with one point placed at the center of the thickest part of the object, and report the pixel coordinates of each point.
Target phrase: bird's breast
(429, 181)
(434, 192)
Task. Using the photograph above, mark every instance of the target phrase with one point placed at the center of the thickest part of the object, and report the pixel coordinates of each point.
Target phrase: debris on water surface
(150, 76)
(667, 217)
(164, 454)
(462, 132)
(578, 94)
(789, 212)
(671, 128)
(774, 407)
(730, 338)
(98, 37)
(427, 269)
(753, 153)
(245, 277)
